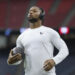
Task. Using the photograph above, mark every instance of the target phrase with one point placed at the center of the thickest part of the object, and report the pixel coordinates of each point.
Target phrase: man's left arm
(62, 54)
(61, 46)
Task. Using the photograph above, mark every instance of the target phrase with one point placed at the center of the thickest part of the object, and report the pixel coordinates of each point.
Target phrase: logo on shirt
(41, 33)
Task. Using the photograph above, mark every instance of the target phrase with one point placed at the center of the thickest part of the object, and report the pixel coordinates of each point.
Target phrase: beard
(33, 20)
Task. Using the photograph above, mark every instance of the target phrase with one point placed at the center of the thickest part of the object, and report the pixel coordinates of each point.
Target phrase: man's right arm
(15, 56)
(14, 59)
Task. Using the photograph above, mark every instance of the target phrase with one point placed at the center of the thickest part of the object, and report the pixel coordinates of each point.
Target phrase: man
(38, 43)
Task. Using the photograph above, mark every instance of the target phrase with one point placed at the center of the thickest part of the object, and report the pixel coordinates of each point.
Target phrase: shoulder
(54, 35)
(50, 30)
(22, 34)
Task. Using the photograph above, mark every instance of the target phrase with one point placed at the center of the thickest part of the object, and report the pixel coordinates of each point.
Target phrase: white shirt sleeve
(18, 44)
(61, 46)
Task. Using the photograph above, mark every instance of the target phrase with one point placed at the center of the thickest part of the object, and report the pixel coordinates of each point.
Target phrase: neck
(36, 24)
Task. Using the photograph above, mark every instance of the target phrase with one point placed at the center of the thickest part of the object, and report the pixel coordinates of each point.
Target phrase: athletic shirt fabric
(38, 45)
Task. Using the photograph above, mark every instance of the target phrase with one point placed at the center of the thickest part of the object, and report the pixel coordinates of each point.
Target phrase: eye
(34, 11)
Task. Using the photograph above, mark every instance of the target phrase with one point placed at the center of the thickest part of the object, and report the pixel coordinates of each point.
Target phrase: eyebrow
(33, 9)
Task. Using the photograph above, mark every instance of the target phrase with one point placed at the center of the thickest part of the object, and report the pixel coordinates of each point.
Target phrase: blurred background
(60, 15)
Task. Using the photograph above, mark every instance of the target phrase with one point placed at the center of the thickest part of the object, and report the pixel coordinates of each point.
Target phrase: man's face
(34, 12)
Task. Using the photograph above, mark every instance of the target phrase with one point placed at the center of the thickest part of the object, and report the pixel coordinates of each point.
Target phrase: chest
(35, 37)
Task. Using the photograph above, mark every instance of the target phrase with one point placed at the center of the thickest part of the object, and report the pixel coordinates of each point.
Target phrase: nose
(31, 12)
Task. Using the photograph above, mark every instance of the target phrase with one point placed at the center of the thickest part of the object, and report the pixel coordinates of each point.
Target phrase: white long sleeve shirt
(38, 44)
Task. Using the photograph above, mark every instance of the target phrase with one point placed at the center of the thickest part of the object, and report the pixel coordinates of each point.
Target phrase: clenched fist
(49, 64)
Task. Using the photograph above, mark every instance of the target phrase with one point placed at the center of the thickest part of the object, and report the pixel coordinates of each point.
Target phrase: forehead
(34, 8)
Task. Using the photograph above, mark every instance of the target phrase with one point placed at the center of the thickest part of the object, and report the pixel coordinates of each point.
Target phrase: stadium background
(60, 15)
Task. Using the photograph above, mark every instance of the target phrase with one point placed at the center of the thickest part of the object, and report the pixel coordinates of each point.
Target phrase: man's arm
(61, 46)
(15, 55)
(63, 52)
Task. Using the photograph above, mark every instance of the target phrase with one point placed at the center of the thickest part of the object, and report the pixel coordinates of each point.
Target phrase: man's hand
(14, 58)
(49, 64)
